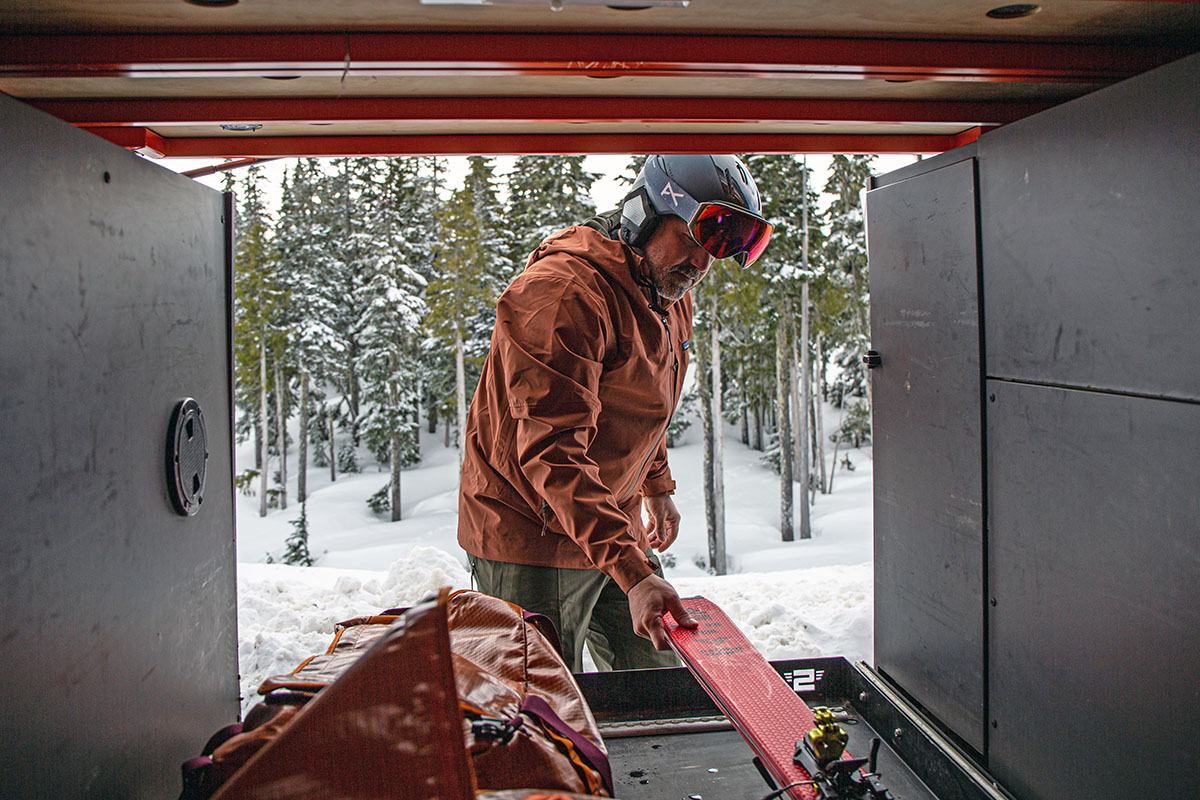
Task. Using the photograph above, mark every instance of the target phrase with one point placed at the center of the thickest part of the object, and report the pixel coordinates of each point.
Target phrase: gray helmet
(680, 185)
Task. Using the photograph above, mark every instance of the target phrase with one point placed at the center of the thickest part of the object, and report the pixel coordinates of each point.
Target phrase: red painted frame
(164, 112)
(249, 146)
(447, 53)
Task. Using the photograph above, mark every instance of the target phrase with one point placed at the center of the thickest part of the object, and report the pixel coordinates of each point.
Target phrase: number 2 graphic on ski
(760, 704)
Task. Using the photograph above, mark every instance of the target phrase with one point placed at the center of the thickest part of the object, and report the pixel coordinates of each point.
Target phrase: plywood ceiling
(396, 76)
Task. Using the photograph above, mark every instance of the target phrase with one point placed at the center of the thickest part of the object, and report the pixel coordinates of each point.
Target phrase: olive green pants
(584, 604)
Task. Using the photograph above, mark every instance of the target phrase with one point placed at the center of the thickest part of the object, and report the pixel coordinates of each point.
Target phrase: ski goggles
(727, 231)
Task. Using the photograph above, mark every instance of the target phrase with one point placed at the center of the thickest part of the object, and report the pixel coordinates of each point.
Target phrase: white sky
(607, 192)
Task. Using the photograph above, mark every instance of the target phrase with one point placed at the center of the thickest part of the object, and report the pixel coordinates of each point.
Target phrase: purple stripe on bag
(539, 708)
(220, 737)
(545, 626)
(194, 771)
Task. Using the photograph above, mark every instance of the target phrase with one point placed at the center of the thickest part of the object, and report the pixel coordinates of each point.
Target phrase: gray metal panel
(1091, 219)
(927, 449)
(117, 618)
(1094, 556)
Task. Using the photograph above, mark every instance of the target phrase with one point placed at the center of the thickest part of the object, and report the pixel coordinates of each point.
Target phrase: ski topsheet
(764, 709)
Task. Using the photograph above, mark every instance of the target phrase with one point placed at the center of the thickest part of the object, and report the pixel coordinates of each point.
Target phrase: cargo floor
(667, 740)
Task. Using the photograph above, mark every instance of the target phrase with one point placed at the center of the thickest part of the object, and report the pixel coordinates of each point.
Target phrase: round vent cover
(187, 457)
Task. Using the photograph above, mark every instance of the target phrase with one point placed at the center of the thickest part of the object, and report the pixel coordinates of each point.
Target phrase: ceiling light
(241, 126)
(212, 3)
(1014, 11)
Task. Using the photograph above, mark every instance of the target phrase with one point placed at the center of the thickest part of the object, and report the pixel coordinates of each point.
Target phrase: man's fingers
(681, 615)
(667, 538)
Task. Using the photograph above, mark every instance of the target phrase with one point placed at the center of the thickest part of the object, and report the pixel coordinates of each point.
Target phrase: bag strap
(544, 626)
(539, 708)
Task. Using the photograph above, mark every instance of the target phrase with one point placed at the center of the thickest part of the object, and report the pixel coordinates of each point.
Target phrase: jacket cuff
(631, 569)
(657, 486)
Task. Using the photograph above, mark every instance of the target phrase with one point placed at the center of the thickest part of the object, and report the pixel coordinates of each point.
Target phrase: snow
(792, 599)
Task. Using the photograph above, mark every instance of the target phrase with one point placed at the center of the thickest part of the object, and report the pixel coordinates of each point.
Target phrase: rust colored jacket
(566, 432)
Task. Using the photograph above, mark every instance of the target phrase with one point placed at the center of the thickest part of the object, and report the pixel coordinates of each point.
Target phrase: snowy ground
(792, 599)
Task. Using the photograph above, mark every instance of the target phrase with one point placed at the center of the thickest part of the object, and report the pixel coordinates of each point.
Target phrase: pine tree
(388, 361)
(846, 254)
(347, 196)
(546, 194)
(462, 298)
(258, 303)
(304, 242)
(297, 552)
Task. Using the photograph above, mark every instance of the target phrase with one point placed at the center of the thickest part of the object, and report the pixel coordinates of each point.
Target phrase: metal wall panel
(1094, 554)
(117, 618)
(927, 447)
(1091, 219)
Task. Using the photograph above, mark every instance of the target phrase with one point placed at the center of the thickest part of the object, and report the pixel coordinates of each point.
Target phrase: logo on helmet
(669, 192)
(731, 189)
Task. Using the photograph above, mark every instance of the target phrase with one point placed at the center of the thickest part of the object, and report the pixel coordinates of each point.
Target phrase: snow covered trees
(258, 308)
(370, 298)
(469, 264)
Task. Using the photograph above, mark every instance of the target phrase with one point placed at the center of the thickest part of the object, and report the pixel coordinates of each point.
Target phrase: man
(565, 440)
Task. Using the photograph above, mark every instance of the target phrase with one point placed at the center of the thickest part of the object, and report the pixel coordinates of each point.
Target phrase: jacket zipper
(637, 481)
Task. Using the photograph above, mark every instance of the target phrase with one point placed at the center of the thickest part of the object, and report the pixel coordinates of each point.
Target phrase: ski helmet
(714, 195)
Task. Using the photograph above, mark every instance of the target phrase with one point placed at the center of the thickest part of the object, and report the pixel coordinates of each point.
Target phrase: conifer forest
(364, 305)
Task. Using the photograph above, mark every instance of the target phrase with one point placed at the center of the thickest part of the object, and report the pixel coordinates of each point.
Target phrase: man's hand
(663, 526)
(648, 599)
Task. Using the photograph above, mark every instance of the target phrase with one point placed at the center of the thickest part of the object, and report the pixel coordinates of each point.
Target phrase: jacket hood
(609, 255)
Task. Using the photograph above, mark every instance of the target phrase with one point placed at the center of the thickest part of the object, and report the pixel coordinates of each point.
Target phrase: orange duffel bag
(457, 695)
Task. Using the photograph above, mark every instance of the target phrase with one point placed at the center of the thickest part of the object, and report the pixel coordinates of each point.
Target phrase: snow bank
(286, 614)
(798, 599)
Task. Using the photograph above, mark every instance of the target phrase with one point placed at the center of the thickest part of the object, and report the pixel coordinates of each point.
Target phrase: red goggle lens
(725, 231)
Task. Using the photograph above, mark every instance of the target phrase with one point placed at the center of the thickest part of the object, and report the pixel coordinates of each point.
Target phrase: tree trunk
(802, 406)
(718, 443)
(818, 414)
(332, 451)
(394, 446)
(758, 426)
(258, 442)
(302, 467)
(354, 396)
(706, 422)
(262, 422)
(786, 515)
(460, 391)
(281, 437)
(745, 402)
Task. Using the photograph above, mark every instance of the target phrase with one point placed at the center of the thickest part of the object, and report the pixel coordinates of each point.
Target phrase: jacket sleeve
(551, 336)
(658, 477)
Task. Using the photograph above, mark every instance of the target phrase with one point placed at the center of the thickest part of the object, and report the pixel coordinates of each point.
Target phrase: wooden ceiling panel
(549, 86)
(163, 75)
(1060, 21)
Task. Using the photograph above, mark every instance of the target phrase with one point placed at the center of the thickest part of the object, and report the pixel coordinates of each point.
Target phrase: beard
(673, 282)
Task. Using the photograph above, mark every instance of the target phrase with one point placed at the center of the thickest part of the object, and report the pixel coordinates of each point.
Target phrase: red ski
(770, 716)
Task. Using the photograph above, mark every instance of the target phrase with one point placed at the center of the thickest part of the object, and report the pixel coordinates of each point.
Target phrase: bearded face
(676, 262)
